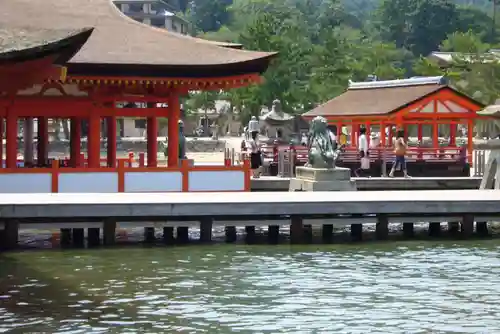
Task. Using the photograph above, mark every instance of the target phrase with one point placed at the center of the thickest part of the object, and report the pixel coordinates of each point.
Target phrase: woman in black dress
(255, 155)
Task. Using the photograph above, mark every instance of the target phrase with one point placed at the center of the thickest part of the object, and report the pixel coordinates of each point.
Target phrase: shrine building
(427, 108)
(119, 60)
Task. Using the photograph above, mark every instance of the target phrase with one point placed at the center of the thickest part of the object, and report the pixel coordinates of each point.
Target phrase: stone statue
(277, 106)
(322, 153)
(182, 141)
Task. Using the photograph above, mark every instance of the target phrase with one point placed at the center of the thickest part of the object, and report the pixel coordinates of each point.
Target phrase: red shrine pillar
(382, 134)
(453, 134)
(94, 141)
(152, 138)
(368, 127)
(11, 134)
(1, 142)
(470, 144)
(76, 141)
(174, 115)
(28, 138)
(420, 132)
(42, 151)
(354, 134)
(420, 136)
(435, 134)
(111, 129)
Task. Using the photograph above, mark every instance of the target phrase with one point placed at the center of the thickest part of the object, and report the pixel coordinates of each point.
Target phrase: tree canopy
(323, 44)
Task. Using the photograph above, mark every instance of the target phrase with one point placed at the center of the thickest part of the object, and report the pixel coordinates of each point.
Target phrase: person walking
(363, 154)
(400, 148)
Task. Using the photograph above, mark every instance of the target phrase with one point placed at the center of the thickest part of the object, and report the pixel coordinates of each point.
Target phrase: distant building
(156, 13)
(445, 59)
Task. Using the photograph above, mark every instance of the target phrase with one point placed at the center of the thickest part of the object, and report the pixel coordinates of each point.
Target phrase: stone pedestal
(322, 179)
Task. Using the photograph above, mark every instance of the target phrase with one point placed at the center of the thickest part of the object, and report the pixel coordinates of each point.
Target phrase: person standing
(400, 148)
(363, 153)
(255, 155)
(253, 126)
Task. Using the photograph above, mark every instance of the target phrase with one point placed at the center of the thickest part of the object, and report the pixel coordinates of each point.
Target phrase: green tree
(427, 68)
(418, 25)
(464, 42)
(204, 100)
(278, 29)
(208, 15)
(471, 18)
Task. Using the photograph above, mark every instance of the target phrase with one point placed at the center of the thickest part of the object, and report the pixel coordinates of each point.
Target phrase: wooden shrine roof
(120, 46)
(379, 98)
(23, 44)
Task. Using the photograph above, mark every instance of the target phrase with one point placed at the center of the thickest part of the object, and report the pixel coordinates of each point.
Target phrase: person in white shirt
(253, 126)
(363, 153)
(255, 154)
(333, 136)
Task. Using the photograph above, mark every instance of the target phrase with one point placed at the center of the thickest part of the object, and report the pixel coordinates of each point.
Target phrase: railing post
(55, 176)
(121, 176)
(281, 161)
(384, 162)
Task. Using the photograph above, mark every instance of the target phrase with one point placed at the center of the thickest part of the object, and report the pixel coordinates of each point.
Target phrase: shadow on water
(46, 292)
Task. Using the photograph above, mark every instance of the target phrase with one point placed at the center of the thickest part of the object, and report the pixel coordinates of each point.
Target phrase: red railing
(412, 153)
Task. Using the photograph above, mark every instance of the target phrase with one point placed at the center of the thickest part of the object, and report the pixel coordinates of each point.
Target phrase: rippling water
(367, 288)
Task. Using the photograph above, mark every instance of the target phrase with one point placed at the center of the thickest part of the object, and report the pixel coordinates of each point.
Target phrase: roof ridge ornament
(414, 81)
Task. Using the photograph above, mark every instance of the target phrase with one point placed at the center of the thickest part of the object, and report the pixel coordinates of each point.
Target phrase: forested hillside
(325, 43)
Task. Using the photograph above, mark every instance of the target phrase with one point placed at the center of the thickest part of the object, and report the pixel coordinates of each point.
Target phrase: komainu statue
(323, 152)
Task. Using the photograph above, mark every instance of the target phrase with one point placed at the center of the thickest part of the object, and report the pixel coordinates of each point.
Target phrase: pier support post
(230, 234)
(482, 229)
(168, 235)
(206, 224)
(382, 227)
(273, 232)
(149, 235)
(308, 234)
(467, 225)
(65, 237)
(109, 232)
(94, 236)
(2, 233)
(78, 237)
(182, 235)
(434, 229)
(296, 230)
(327, 233)
(356, 232)
(408, 230)
(453, 228)
(250, 234)
(10, 234)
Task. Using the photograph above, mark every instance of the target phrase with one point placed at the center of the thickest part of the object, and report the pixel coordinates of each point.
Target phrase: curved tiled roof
(20, 44)
(122, 43)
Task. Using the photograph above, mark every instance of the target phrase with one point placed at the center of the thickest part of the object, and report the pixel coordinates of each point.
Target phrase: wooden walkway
(275, 183)
(158, 206)
(461, 209)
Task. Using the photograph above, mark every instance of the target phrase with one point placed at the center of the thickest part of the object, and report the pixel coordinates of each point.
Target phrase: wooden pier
(299, 210)
(275, 183)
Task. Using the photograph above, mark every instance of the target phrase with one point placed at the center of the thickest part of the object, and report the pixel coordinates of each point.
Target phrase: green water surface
(366, 288)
